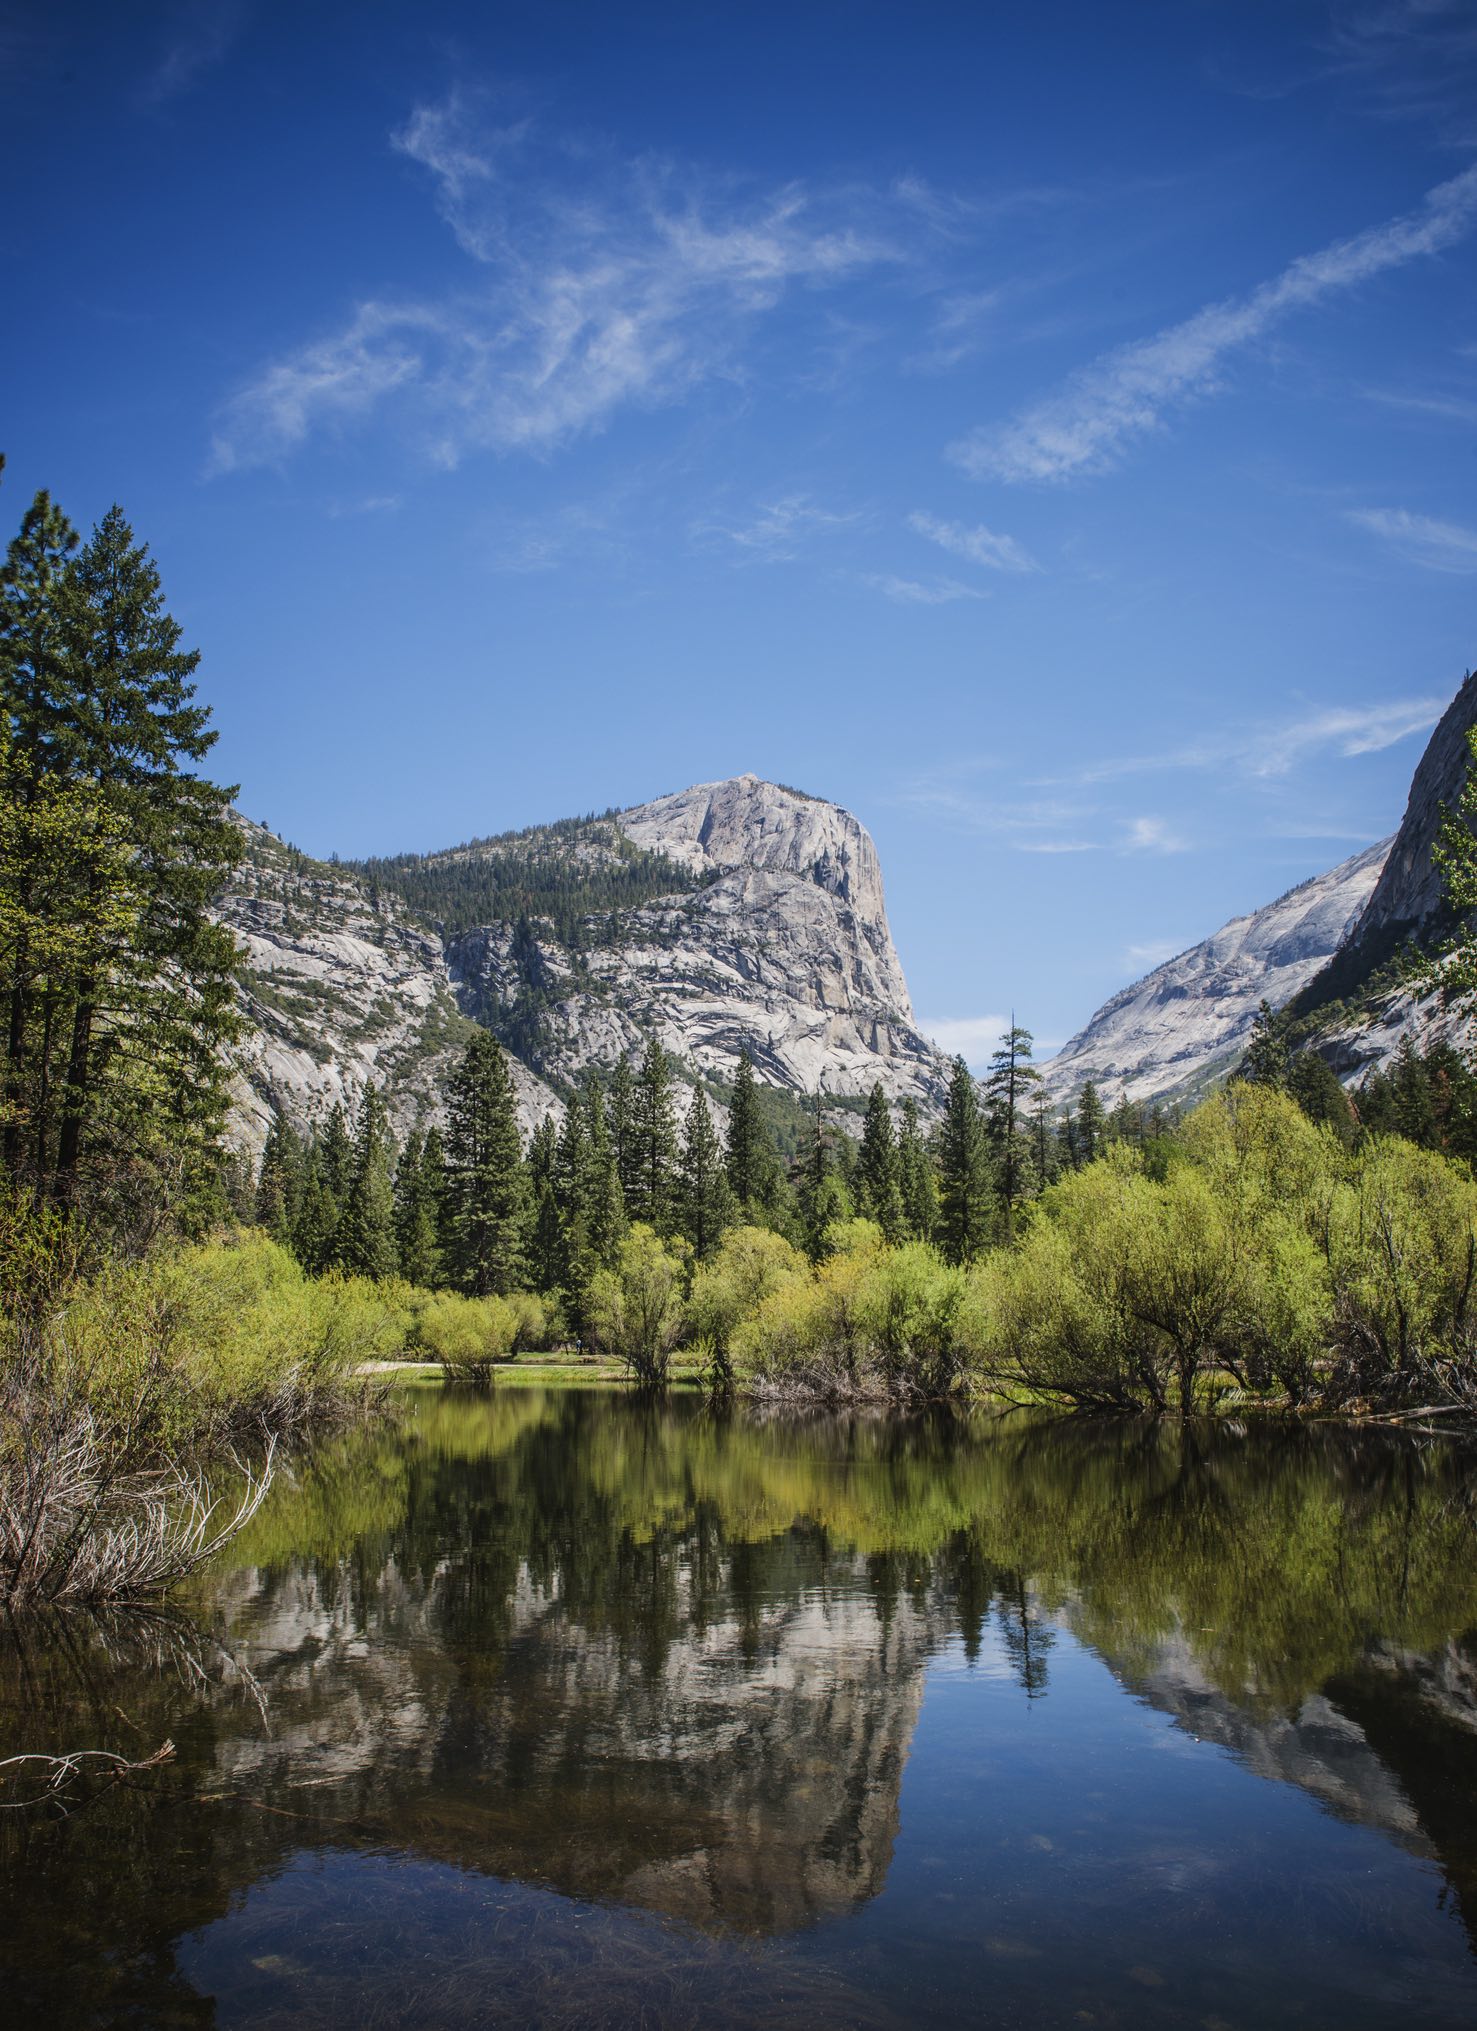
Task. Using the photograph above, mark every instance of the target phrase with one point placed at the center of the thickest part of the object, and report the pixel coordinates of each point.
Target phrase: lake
(554, 1708)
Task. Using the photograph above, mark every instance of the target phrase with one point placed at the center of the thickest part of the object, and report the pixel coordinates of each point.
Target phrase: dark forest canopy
(567, 872)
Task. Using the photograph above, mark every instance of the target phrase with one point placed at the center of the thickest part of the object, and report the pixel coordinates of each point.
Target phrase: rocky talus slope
(1173, 1033)
(758, 921)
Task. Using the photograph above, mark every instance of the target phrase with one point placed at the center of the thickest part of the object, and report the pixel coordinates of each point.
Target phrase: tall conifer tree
(917, 1177)
(1091, 1124)
(749, 1153)
(707, 1202)
(366, 1237)
(487, 1180)
(964, 1172)
(651, 1189)
(1010, 1079)
(879, 1185)
(117, 1070)
(416, 1238)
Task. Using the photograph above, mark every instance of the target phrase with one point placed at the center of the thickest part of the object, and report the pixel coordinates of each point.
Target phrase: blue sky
(1050, 432)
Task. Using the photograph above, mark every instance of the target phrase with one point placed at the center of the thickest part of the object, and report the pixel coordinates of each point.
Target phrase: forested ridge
(567, 873)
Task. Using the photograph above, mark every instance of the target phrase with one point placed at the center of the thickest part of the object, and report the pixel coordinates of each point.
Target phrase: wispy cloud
(778, 531)
(971, 1038)
(1450, 408)
(1151, 835)
(1088, 425)
(921, 592)
(1275, 749)
(364, 504)
(595, 285)
(203, 37)
(1036, 825)
(1152, 952)
(978, 545)
(1438, 546)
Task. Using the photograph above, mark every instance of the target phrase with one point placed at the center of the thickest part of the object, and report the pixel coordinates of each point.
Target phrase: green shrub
(635, 1311)
(468, 1335)
(1401, 1241)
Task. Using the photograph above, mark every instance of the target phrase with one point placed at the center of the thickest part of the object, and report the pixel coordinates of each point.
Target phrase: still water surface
(569, 1711)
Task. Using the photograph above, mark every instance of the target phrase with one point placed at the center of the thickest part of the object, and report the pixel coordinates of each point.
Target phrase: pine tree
(604, 1202)
(749, 1153)
(316, 1224)
(550, 1188)
(703, 1189)
(115, 1073)
(487, 1180)
(651, 1189)
(879, 1182)
(824, 1199)
(1091, 1125)
(416, 1239)
(438, 1191)
(622, 1117)
(1010, 1079)
(279, 1182)
(964, 1172)
(365, 1243)
(1045, 1144)
(1267, 1055)
(917, 1178)
(34, 678)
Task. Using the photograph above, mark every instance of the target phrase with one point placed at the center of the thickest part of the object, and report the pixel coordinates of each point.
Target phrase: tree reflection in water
(669, 1666)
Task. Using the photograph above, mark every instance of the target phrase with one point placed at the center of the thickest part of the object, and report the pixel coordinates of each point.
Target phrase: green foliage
(750, 1264)
(199, 1342)
(1008, 1086)
(879, 1174)
(703, 1194)
(635, 1309)
(117, 985)
(964, 1175)
(467, 1335)
(486, 1179)
(650, 1178)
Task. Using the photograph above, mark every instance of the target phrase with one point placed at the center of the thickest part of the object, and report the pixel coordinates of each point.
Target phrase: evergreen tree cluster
(569, 873)
(1428, 1097)
(472, 1209)
(118, 987)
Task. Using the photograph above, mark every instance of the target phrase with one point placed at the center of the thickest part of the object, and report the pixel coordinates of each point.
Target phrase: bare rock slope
(782, 946)
(758, 921)
(1171, 1034)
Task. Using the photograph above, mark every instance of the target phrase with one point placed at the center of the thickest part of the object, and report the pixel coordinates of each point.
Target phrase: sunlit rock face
(1406, 905)
(1173, 1033)
(339, 988)
(742, 1774)
(783, 948)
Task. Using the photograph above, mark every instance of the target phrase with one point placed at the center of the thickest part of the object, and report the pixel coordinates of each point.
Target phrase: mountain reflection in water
(576, 1710)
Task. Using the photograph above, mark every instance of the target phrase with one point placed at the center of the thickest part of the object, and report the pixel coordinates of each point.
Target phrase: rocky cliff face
(1171, 1034)
(774, 936)
(1325, 946)
(339, 988)
(783, 947)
